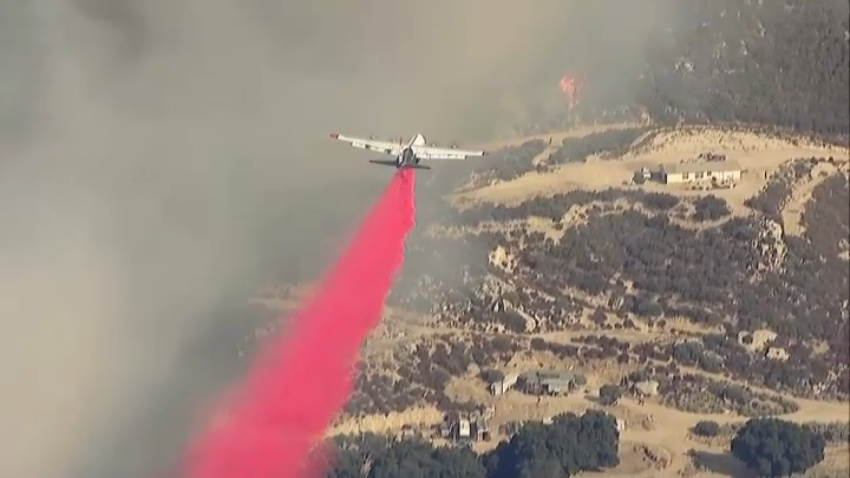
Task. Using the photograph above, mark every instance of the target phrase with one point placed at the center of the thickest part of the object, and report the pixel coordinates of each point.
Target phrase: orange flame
(570, 87)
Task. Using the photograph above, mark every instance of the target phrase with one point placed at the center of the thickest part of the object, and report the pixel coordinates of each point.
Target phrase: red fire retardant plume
(272, 422)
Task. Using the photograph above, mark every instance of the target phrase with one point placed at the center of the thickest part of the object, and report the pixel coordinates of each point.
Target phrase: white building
(716, 171)
(463, 428)
(502, 386)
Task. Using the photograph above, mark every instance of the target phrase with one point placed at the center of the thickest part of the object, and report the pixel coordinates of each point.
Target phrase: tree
(413, 459)
(706, 428)
(492, 375)
(710, 208)
(569, 445)
(546, 468)
(609, 394)
(539, 344)
(776, 448)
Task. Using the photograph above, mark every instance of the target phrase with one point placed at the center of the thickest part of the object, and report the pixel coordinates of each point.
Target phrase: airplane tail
(384, 162)
(393, 163)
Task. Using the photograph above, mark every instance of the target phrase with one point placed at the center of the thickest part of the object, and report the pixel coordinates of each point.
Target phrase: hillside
(623, 283)
(732, 299)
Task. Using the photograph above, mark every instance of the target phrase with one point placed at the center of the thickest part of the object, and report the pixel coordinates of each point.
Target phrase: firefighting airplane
(407, 155)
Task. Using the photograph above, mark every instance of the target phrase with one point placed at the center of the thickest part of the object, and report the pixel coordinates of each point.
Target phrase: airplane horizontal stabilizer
(384, 162)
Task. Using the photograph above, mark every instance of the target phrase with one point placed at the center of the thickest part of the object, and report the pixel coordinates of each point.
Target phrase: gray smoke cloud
(160, 158)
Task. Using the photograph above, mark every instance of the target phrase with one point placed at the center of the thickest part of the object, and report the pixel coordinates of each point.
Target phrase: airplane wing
(433, 152)
(385, 147)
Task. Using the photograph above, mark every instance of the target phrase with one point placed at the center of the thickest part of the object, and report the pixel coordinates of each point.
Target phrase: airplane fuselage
(407, 158)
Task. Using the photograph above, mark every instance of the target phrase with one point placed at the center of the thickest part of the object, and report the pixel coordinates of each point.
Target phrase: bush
(492, 375)
(569, 445)
(609, 394)
(404, 459)
(539, 344)
(660, 201)
(706, 428)
(775, 448)
(710, 208)
(837, 433)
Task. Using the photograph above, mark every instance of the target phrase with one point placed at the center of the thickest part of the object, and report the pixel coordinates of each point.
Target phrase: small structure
(715, 171)
(407, 432)
(502, 386)
(463, 429)
(646, 388)
(482, 430)
(621, 425)
(467, 427)
(776, 353)
(640, 176)
(543, 382)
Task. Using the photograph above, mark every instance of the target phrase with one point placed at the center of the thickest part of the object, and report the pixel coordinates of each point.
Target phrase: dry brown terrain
(757, 155)
(656, 439)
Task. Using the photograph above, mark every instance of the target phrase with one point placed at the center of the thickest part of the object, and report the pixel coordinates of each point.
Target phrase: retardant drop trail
(302, 379)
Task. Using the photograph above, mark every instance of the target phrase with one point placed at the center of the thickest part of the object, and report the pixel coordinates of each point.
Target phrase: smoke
(159, 159)
(303, 378)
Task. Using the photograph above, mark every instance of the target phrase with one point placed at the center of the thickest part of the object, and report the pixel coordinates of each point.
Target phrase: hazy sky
(158, 158)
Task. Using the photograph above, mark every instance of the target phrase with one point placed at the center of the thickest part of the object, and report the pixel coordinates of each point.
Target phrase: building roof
(556, 384)
(709, 167)
(541, 376)
(647, 387)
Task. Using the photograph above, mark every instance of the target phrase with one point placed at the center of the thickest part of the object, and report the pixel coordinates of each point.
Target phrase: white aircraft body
(407, 155)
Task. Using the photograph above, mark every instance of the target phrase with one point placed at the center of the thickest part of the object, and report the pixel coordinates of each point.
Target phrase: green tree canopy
(569, 445)
(609, 394)
(776, 448)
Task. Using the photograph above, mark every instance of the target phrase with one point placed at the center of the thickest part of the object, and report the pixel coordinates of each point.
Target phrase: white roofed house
(714, 171)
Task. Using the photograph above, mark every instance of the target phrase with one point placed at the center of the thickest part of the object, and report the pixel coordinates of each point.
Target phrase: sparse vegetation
(773, 198)
(697, 394)
(510, 163)
(422, 376)
(609, 143)
(834, 433)
(710, 272)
